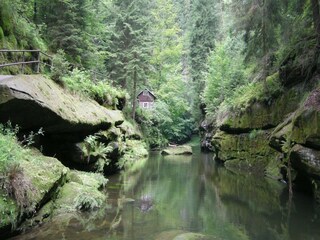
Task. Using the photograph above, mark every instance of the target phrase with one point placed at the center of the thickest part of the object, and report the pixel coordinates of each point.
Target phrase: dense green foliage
(258, 37)
(211, 54)
(79, 81)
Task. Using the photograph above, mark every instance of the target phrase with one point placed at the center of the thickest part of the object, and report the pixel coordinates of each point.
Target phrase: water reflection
(166, 196)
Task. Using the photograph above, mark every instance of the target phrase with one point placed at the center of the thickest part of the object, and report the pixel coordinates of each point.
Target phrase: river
(166, 196)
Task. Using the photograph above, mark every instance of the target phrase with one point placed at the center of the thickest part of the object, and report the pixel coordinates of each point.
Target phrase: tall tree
(260, 20)
(129, 48)
(203, 32)
(316, 20)
(66, 26)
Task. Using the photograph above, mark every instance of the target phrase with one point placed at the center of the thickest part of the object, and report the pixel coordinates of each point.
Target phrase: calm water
(170, 194)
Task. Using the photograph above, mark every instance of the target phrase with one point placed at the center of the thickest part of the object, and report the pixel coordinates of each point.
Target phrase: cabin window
(145, 105)
(145, 93)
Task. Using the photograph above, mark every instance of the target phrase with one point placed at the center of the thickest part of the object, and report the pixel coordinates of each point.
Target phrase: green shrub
(80, 82)
(92, 148)
(12, 178)
(254, 91)
(60, 67)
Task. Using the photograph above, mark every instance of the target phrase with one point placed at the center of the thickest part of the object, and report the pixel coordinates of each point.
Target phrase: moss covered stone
(178, 150)
(130, 131)
(46, 175)
(307, 160)
(306, 127)
(83, 192)
(134, 151)
(24, 98)
(247, 152)
(261, 114)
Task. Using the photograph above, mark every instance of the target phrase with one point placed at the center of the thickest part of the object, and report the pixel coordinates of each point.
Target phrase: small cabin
(146, 99)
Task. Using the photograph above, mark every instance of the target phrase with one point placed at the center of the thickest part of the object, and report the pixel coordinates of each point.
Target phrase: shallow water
(168, 195)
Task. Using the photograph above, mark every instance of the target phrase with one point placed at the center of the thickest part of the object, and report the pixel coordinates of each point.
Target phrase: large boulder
(177, 150)
(34, 101)
(45, 175)
(302, 126)
(306, 160)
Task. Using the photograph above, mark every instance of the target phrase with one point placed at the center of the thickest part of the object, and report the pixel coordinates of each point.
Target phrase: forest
(242, 75)
(198, 56)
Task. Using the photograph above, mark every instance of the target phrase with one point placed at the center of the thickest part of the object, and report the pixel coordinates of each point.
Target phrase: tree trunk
(264, 44)
(134, 93)
(35, 12)
(316, 20)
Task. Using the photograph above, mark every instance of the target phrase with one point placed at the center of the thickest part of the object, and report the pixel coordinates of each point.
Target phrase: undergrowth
(79, 81)
(13, 181)
(252, 92)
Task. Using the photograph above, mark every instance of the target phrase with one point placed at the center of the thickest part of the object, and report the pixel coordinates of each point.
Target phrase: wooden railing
(36, 60)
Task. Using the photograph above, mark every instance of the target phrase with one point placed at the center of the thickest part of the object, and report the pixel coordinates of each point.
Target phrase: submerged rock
(195, 236)
(178, 150)
(183, 235)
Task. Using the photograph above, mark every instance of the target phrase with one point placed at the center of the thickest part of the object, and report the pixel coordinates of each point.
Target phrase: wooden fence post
(22, 65)
(38, 65)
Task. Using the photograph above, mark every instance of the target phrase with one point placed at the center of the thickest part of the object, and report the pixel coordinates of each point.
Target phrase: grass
(12, 178)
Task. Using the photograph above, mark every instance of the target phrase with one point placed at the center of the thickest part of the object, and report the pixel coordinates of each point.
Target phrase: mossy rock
(178, 150)
(82, 193)
(195, 236)
(306, 160)
(130, 131)
(23, 98)
(246, 152)
(46, 176)
(9, 213)
(261, 114)
(107, 136)
(302, 126)
(94, 180)
(306, 127)
(134, 151)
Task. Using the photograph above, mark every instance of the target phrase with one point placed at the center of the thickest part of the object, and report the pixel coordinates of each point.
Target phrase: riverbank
(56, 160)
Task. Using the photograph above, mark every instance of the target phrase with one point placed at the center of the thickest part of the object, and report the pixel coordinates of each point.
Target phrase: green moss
(94, 180)
(74, 196)
(262, 113)
(135, 150)
(9, 211)
(241, 153)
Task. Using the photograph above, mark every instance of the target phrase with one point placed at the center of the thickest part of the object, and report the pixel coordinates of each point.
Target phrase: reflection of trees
(197, 195)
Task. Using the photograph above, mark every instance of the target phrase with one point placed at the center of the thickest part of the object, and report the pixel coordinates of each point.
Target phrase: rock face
(34, 101)
(247, 152)
(257, 139)
(178, 150)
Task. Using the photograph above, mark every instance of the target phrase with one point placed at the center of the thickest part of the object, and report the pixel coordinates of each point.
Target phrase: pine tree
(129, 49)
